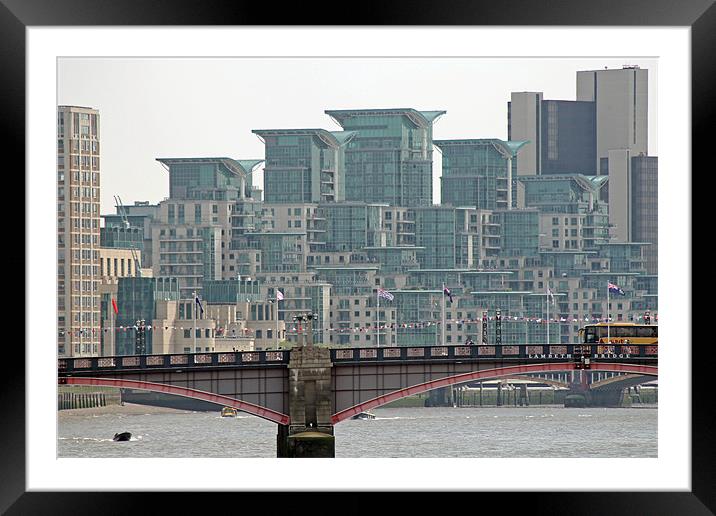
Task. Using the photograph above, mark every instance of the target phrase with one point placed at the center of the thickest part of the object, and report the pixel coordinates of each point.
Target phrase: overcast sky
(152, 108)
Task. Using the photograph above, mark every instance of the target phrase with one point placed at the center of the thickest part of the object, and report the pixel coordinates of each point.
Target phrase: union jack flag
(384, 293)
(446, 291)
(614, 289)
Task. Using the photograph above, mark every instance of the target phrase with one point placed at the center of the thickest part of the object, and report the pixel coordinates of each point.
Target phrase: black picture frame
(700, 15)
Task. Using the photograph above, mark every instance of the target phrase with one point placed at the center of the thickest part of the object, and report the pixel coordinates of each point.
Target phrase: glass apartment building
(138, 215)
(572, 215)
(416, 315)
(122, 237)
(435, 235)
(390, 159)
(520, 232)
(191, 230)
(220, 179)
(351, 226)
(136, 301)
(304, 165)
(478, 173)
(231, 291)
(273, 252)
(352, 294)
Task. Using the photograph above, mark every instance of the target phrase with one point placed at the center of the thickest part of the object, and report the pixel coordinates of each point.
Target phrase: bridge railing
(476, 352)
(345, 355)
(171, 361)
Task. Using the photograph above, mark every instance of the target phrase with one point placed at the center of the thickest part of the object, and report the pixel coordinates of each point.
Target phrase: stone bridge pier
(310, 431)
(607, 396)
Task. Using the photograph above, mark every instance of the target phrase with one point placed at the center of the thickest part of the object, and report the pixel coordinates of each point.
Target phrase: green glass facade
(279, 252)
(412, 306)
(515, 307)
(520, 232)
(122, 237)
(393, 260)
(571, 195)
(435, 234)
(231, 291)
(246, 217)
(351, 226)
(476, 173)
(624, 257)
(221, 179)
(390, 158)
(348, 281)
(136, 299)
(304, 165)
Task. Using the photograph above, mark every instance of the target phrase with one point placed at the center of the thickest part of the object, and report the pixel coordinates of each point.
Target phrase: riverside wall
(79, 397)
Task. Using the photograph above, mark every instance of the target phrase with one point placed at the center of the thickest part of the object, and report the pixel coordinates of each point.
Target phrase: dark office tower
(561, 134)
(391, 158)
(568, 137)
(304, 165)
(645, 208)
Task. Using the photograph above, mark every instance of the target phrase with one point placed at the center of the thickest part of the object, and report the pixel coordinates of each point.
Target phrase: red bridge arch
(487, 374)
(256, 410)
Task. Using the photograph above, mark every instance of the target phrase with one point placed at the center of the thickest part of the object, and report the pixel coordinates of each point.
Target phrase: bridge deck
(271, 359)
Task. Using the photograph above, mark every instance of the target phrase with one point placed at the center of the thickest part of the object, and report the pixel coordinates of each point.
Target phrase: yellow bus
(619, 333)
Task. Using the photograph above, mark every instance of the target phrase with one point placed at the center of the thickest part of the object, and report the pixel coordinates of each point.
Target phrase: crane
(121, 211)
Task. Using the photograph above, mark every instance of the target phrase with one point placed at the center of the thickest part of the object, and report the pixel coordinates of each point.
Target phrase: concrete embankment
(127, 408)
(514, 398)
(81, 397)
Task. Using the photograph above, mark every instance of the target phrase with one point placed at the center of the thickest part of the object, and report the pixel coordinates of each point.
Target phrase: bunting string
(224, 332)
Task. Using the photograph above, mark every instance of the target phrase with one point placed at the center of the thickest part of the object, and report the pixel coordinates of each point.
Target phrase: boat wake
(97, 439)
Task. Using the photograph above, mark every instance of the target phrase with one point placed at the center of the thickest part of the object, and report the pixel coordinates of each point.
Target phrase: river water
(496, 432)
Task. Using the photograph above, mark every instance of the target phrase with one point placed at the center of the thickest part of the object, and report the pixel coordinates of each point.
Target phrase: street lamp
(308, 319)
(140, 338)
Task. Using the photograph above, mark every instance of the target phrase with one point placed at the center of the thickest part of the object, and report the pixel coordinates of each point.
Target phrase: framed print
(175, 87)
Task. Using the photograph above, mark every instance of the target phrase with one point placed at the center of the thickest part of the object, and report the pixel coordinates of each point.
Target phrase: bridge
(309, 389)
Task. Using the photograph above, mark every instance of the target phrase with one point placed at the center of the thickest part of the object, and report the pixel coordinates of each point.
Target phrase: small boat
(124, 436)
(364, 415)
(229, 412)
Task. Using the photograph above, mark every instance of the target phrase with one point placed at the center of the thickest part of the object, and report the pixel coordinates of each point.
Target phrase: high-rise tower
(78, 274)
(621, 97)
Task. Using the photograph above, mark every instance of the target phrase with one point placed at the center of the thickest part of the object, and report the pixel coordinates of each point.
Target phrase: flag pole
(193, 312)
(377, 321)
(547, 318)
(442, 330)
(114, 345)
(277, 338)
(609, 340)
